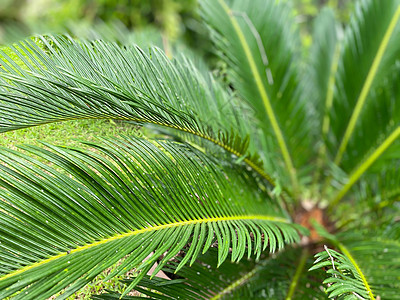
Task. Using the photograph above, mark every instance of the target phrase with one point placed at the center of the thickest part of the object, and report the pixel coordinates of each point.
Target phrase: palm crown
(221, 203)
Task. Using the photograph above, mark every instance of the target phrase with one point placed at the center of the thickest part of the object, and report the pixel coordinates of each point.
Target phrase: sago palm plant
(288, 157)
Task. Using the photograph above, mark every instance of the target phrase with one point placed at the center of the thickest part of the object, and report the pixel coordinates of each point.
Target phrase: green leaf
(370, 50)
(321, 68)
(125, 198)
(80, 80)
(269, 278)
(366, 97)
(366, 267)
(263, 72)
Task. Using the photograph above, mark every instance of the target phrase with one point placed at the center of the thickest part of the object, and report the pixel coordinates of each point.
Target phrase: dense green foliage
(283, 157)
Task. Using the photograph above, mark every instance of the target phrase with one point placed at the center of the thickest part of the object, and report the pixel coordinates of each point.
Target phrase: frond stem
(347, 253)
(144, 230)
(364, 166)
(264, 96)
(248, 161)
(237, 283)
(297, 274)
(367, 86)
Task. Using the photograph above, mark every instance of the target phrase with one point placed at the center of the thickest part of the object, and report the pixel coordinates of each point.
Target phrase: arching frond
(365, 114)
(345, 282)
(126, 198)
(370, 50)
(319, 81)
(363, 269)
(375, 145)
(374, 201)
(73, 80)
(270, 278)
(263, 72)
(321, 68)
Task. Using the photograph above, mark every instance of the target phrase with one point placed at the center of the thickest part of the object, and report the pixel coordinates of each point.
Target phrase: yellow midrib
(367, 85)
(355, 175)
(144, 230)
(248, 161)
(347, 253)
(264, 96)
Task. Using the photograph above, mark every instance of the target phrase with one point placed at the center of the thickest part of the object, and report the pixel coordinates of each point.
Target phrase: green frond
(125, 198)
(345, 281)
(192, 206)
(367, 96)
(375, 147)
(379, 119)
(319, 82)
(263, 72)
(358, 172)
(77, 80)
(370, 49)
(365, 268)
(321, 67)
(392, 231)
(373, 205)
(270, 278)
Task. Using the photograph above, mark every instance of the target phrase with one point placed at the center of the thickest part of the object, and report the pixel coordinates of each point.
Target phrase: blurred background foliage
(175, 19)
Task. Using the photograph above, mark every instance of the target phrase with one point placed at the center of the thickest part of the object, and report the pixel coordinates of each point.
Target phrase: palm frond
(263, 72)
(319, 81)
(75, 80)
(370, 49)
(374, 147)
(363, 269)
(127, 197)
(374, 201)
(321, 68)
(270, 278)
(345, 282)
